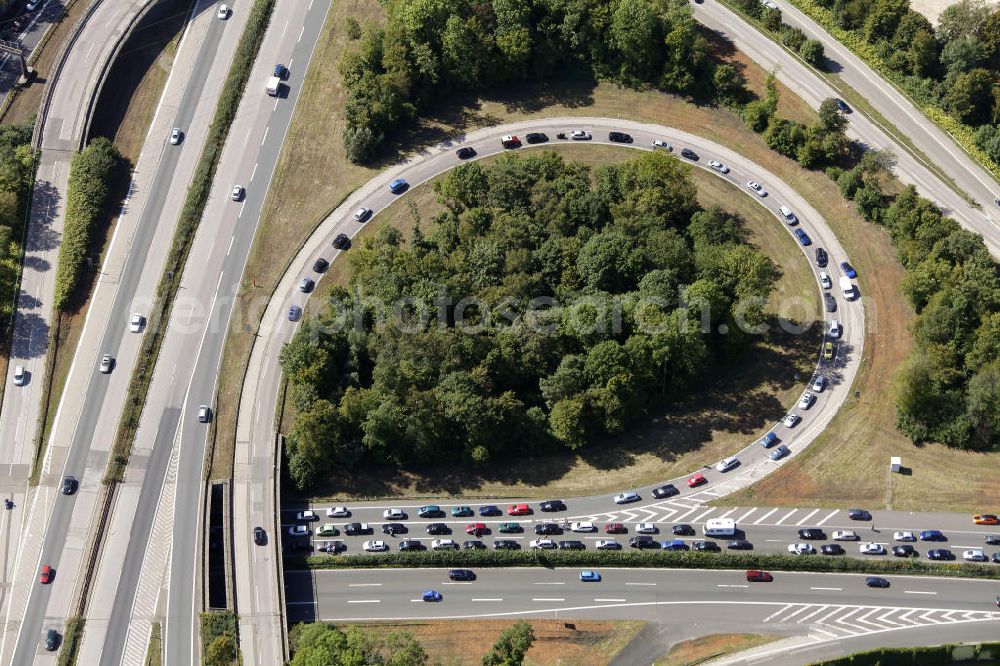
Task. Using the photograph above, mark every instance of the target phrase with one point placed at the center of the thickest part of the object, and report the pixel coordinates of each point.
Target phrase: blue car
(589, 576)
(432, 595)
(398, 185)
(294, 313)
(675, 544)
(803, 237)
(490, 510)
(931, 535)
(848, 269)
(768, 440)
(779, 452)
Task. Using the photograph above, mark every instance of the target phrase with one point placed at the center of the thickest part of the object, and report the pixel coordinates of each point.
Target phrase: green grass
(71, 641)
(154, 653)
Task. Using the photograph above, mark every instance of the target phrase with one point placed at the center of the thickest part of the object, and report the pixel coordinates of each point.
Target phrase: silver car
(175, 136)
(106, 363)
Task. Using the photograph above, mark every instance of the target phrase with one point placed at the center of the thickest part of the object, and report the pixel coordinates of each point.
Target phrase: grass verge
(463, 642)
(981, 653)
(194, 206)
(71, 641)
(218, 638)
(701, 650)
(642, 558)
(154, 653)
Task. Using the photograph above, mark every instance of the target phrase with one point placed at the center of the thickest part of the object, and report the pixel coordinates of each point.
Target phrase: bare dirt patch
(700, 650)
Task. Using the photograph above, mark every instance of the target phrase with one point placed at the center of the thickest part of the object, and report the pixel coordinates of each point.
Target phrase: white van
(788, 215)
(847, 287)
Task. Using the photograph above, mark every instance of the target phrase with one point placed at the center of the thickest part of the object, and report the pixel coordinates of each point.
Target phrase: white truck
(273, 85)
(847, 288)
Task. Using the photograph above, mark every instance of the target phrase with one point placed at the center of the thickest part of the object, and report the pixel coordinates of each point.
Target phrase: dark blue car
(768, 440)
(931, 535)
(398, 185)
(294, 313)
(848, 269)
(675, 544)
(803, 237)
(490, 510)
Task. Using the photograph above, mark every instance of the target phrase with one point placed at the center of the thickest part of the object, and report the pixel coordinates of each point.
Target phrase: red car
(615, 528)
(475, 529)
(518, 510)
(755, 576)
(45, 577)
(697, 480)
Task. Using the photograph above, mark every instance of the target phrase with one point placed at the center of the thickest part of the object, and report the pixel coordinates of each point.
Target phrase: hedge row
(72, 638)
(643, 558)
(194, 207)
(218, 638)
(90, 177)
(919, 656)
(963, 134)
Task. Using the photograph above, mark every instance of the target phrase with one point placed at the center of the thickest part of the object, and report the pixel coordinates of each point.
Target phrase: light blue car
(589, 576)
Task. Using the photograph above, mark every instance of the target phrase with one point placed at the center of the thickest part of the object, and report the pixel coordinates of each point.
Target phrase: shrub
(353, 28)
(812, 52)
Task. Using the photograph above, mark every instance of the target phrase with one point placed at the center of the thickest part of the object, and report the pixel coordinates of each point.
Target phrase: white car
(727, 464)
(223, 12)
(607, 544)
(819, 383)
(806, 401)
(444, 544)
(106, 363)
(32, 5)
(579, 135)
(801, 549)
(298, 530)
(790, 420)
(756, 188)
(660, 143)
(393, 514)
(835, 329)
(135, 324)
(19, 375)
(204, 414)
(718, 166)
(362, 214)
(904, 536)
(825, 281)
(872, 549)
(175, 136)
(583, 527)
(543, 544)
(645, 528)
(375, 546)
(237, 193)
(306, 516)
(975, 555)
(338, 512)
(626, 497)
(845, 535)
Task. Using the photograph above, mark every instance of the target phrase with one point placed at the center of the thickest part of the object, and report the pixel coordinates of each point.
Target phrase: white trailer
(720, 527)
(847, 287)
(273, 84)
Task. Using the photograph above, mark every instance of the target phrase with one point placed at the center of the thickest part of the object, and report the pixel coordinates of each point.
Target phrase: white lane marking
(785, 517)
(702, 515)
(254, 173)
(776, 613)
(764, 517)
(364, 601)
(831, 589)
(680, 518)
(300, 34)
(548, 599)
(455, 583)
(489, 599)
(611, 600)
(722, 585)
(745, 515)
(917, 592)
(726, 514)
(264, 138)
(831, 515)
(364, 584)
(230, 245)
(808, 516)
(242, 206)
(648, 584)
(548, 583)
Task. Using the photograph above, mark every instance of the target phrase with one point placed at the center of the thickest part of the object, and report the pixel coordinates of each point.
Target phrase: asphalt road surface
(25, 29)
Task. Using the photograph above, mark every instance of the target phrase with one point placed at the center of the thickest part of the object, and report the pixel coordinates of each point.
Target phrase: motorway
(833, 612)
(26, 29)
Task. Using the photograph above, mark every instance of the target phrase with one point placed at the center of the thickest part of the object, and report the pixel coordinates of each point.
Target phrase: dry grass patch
(464, 642)
(700, 650)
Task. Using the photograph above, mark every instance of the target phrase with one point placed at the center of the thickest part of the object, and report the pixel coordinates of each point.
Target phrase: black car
(473, 545)
(259, 536)
(536, 137)
(411, 544)
(859, 514)
(465, 152)
(689, 154)
(341, 242)
(667, 490)
(876, 581)
(739, 544)
(393, 528)
(69, 485)
(571, 545)
(320, 265)
(619, 137)
(682, 530)
(829, 302)
(995, 558)
(461, 574)
(831, 549)
(706, 546)
(993, 539)
(842, 105)
(332, 547)
(552, 505)
(940, 554)
(352, 529)
(811, 533)
(904, 550)
(643, 541)
(547, 528)
(438, 528)
(821, 258)
(51, 640)
(506, 544)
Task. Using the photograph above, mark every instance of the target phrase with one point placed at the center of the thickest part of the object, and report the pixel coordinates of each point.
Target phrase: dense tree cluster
(16, 172)
(321, 644)
(511, 646)
(949, 388)
(430, 48)
(558, 303)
